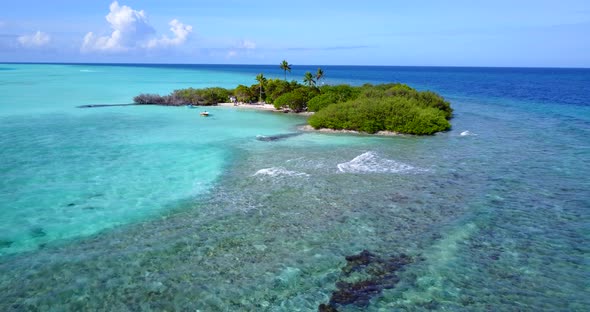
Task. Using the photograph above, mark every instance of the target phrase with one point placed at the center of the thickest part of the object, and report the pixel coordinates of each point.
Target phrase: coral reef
(364, 277)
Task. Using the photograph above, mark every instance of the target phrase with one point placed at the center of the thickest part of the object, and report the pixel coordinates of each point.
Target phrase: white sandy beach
(306, 128)
(266, 107)
(262, 107)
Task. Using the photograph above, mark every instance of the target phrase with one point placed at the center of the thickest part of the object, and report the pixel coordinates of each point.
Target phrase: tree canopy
(385, 107)
(319, 75)
(308, 79)
(261, 81)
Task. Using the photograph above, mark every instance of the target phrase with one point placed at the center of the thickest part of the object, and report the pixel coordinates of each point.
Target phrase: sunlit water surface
(155, 208)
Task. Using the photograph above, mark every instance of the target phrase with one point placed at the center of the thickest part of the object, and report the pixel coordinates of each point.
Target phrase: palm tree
(308, 79)
(319, 75)
(285, 66)
(261, 80)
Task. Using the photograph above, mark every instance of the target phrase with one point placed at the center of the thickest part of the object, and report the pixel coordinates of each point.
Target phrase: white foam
(295, 159)
(467, 133)
(369, 162)
(278, 171)
(87, 71)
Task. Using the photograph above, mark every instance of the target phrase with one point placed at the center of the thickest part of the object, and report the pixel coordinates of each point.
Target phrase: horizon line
(337, 65)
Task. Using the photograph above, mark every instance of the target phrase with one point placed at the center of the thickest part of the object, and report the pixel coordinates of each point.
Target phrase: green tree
(308, 79)
(295, 100)
(319, 75)
(286, 67)
(273, 88)
(261, 81)
(243, 94)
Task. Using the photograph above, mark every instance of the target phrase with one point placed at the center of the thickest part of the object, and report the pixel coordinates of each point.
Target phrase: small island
(392, 107)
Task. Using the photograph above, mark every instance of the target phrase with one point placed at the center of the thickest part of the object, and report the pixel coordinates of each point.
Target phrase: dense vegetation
(332, 95)
(386, 107)
(368, 108)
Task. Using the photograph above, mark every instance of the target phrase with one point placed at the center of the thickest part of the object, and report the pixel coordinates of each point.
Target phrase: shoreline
(268, 108)
(308, 128)
(261, 107)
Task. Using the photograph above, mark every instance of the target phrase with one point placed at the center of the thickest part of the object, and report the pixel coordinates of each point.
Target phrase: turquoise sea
(141, 208)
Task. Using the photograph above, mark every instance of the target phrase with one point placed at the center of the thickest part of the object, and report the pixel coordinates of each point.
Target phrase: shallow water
(197, 213)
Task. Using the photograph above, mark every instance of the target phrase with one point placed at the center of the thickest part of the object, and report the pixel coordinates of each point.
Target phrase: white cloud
(129, 27)
(131, 30)
(242, 47)
(37, 39)
(180, 31)
(247, 44)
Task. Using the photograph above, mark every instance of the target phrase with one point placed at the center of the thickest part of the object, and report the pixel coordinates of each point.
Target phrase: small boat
(204, 114)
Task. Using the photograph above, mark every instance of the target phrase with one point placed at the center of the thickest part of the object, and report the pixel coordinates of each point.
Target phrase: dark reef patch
(277, 137)
(5, 243)
(37, 232)
(372, 275)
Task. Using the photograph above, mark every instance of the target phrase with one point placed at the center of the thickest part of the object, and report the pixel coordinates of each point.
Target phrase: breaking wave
(369, 162)
(278, 171)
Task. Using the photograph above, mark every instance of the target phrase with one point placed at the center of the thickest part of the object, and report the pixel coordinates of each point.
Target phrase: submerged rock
(377, 274)
(38, 232)
(359, 293)
(355, 262)
(5, 243)
(326, 308)
(277, 137)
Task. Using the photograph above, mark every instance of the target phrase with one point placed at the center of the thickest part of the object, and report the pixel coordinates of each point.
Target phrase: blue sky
(429, 33)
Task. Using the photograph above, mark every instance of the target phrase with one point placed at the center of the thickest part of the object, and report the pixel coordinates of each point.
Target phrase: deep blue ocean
(140, 208)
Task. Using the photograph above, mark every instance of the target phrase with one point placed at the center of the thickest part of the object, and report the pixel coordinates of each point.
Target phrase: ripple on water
(499, 223)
